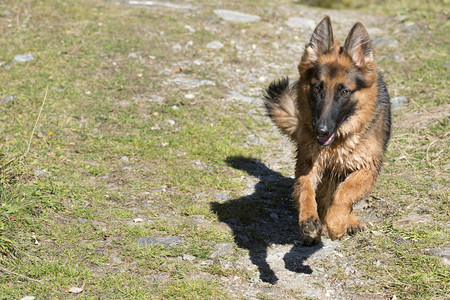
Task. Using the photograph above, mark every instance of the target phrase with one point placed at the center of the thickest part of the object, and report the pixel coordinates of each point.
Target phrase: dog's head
(335, 79)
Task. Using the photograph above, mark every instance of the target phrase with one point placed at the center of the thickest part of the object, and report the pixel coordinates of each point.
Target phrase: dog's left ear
(358, 45)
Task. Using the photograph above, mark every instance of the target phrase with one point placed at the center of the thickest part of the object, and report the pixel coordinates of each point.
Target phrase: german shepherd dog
(338, 114)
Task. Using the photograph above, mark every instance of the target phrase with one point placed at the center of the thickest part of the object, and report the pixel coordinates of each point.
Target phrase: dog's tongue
(326, 140)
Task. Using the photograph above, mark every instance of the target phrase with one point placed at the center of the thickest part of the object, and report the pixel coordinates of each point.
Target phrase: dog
(338, 115)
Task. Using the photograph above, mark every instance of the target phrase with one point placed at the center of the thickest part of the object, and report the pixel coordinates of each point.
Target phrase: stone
(253, 139)
(214, 45)
(28, 298)
(241, 98)
(157, 277)
(188, 27)
(166, 241)
(116, 259)
(82, 220)
(223, 249)
(387, 42)
(414, 218)
(166, 4)
(125, 158)
(398, 102)
(41, 173)
(398, 57)
(444, 254)
(221, 196)
(200, 223)
(23, 58)
(410, 27)
(75, 290)
(235, 16)
(188, 257)
(8, 99)
(190, 83)
(297, 22)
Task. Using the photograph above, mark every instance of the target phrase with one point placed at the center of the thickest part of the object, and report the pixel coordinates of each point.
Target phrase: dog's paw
(337, 223)
(355, 225)
(311, 229)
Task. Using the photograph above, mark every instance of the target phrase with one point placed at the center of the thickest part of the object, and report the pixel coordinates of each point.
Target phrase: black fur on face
(331, 99)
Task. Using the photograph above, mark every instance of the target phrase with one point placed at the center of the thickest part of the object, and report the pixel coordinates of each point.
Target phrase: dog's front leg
(305, 198)
(356, 186)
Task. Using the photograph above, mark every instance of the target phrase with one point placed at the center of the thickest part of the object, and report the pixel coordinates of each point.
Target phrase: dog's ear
(358, 45)
(322, 40)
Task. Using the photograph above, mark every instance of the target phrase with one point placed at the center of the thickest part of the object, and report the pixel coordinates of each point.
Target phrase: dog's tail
(280, 101)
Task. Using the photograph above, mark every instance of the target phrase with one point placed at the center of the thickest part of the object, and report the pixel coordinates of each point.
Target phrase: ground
(137, 160)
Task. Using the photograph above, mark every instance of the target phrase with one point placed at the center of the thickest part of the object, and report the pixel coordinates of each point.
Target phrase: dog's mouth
(326, 140)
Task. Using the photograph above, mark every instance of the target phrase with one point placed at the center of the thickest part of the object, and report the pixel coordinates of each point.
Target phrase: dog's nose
(322, 130)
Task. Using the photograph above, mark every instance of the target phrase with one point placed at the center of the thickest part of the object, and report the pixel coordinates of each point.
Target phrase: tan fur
(329, 180)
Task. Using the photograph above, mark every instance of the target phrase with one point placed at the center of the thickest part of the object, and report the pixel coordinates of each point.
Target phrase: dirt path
(280, 266)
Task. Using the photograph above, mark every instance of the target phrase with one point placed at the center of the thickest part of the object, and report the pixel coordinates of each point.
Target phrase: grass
(116, 141)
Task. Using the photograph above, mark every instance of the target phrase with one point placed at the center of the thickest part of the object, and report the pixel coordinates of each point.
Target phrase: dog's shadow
(265, 217)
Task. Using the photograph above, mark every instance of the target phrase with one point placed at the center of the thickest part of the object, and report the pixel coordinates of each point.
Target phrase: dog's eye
(345, 92)
(316, 89)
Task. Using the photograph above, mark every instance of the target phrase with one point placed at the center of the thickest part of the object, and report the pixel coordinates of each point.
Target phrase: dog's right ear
(322, 40)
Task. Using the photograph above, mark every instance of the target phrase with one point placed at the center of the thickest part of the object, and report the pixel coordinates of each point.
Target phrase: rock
(23, 58)
(116, 259)
(442, 253)
(421, 209)
(157, 277)
(191, 30)
(398, 102)
(235, 16)
(7, 99)
(171, 122)
(188, 96)
(297, 22)
(253, 139)
(241, 98)
(398, 57)
(177, 47)
(125, 158)
(98, 223)
(82, 220)
(223, 249)
(28, 298)
(166, 241)
(221, 196)
(190, 83)
(188, 257)
(75, 290)
(410, 27)
(200, 223)
(225, 227)
(138, 220)
(166, 4)
(41, 173)
(387, 42)
(414, 218)
(214, 45)
(7, 67)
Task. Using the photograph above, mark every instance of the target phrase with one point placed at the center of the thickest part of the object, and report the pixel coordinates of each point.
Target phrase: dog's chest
(346, 158)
